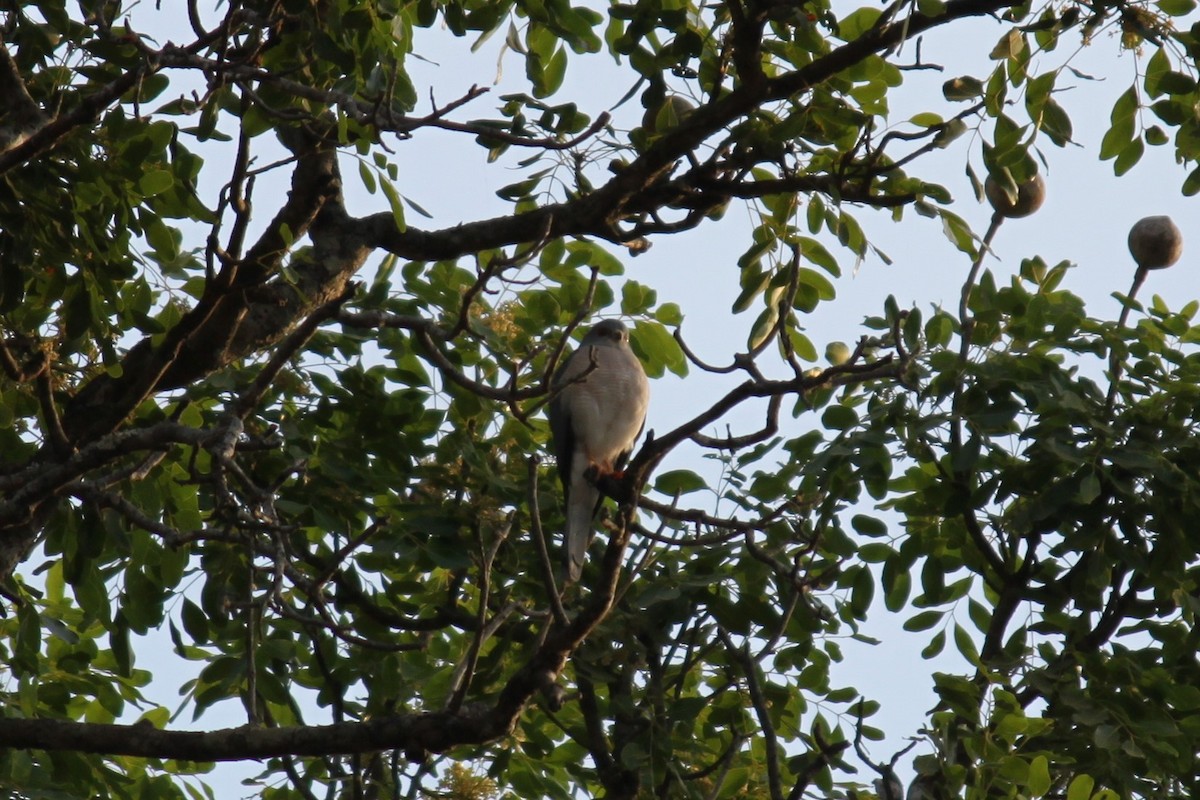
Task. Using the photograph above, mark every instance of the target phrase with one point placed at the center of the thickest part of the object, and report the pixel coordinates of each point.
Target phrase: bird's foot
(595, 472)
(608, 480)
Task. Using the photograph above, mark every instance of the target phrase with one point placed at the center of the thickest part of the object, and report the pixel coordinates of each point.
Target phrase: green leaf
(590, 254)
(155, 182)
(939, 330)
(897, 584)
(1129, 156)
(1037, 94)
(763, 327)
(1009, 46)
(857, 22)
(550, 79)
(636, 298)
(1176, 83)
(658, 349)
(926, 119)
(1010, 726)
(957, 231)
(1120, 133)
(28, 641)
(195, 622)
(417, 207)
(924, 620)
(953, 129)
(965, 644)
(1089, 489)
(1080, 788)
(1039, 776)
(367, 177)
(817, 254)
(1176, 8)
(669, 314)
(936, 645)
(839, 418)
(1158, 65)
(817, 282)
(876, 552)
(118, 639)
(679, 481)
(1191, 184)
(862, 593)
(522, 188)
(801, 344)
(1106, 737)
(1056, 124)
(996, 92)
(868, 526)
(393, 198)
(1173, 111)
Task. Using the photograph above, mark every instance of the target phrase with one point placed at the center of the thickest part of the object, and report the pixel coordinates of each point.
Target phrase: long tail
(581, 508)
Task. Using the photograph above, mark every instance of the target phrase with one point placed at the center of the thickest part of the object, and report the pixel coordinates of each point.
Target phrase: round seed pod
(1155, 242)
(1030, 196)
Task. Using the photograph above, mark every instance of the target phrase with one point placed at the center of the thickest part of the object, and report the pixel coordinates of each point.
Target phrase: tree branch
(20, 116)
(38, 141)
(425, 732)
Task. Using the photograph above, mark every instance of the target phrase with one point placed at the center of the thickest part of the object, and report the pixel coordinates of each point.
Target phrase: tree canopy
(254, 395)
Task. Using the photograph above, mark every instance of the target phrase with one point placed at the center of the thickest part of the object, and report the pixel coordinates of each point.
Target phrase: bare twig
(14, 370)
(761, 711)
(466, 671)
(539, 540)
(50, 417)
(1115, 363)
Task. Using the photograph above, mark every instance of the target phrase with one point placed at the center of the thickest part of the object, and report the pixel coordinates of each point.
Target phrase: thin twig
(286, 349)
(539, 540)
(1115, 363)
(50, 418)
(761, 711)
(466, 671)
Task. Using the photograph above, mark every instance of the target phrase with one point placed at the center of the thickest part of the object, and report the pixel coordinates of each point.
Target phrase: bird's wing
(582, 497)
(562, 420)
(562, 430)
(636, 403)
(605, 414)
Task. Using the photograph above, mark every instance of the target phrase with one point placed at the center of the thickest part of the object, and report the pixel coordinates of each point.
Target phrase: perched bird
(598, 412)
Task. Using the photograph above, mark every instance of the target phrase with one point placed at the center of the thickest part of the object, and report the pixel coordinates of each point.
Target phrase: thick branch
(475, 723)
(431, 732)
(34, 143)
(241, 312)
(653, 451)
(38, 481)
(245, 323)
(20, 116)
(878, 39)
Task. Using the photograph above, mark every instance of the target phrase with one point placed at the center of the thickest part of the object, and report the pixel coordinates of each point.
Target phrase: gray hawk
(598, 412)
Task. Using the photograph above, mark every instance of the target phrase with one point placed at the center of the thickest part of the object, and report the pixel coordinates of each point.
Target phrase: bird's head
(607, 331)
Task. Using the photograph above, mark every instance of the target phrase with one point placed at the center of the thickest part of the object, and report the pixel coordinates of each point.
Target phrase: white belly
(607, 406)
